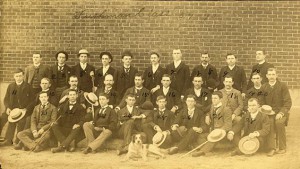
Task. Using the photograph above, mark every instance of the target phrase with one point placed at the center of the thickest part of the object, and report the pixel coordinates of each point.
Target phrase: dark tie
(101, 113)
(43, 110)
(60, 68)
(127, 70)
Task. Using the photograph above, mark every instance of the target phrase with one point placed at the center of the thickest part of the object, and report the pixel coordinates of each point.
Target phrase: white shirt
(197, 92)
(83, 65)
(105, 69)
(261, 62)
(37, 65)
(177, 63)
(129, 108)
(191, 112)
(231, 67)
(204, 66)
(154, 68)
(103, 108)
(253, 115)
(166, 90)
(272, 84)
(71, 106)
(19, 83)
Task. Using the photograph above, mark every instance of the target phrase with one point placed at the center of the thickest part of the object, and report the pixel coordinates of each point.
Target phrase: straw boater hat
(91, 98)
(216, 135)
(83, 51)
(16, 115)
(266, 109)
(248, 145)
(160, 138)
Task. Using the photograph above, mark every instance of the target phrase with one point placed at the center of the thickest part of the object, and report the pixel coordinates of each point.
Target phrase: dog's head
(137, 139)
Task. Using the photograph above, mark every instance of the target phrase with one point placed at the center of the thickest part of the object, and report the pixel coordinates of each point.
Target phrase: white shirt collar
(177, 63)
(257, 87)
(46, 90)
(272, 84)
(261, 62)
(204, 65)
(154, 68)
(253, 115)
(138, 88)
(162, 109)
(218, 105)
(83, 65)
(60, 65)
(129, 108)
(19, 83)
(37, 65)
(231, 67)
(127, 67)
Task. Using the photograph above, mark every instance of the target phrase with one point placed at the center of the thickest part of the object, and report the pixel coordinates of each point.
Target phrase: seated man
(72, 116)
(44, 114)
(254, 123)
(219, 117)
(160, 120)
(129, 122)
(109, 90)
(101, 126)
(191, 121)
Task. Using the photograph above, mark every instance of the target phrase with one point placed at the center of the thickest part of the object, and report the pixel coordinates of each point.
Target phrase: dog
(137, 149)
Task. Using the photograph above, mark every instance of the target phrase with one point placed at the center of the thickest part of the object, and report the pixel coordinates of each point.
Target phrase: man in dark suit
(161, 120)
(139, 91)
(72, 117)
(129, 123)
(36, 138)
(179, 71)
(261, 67)
(237, 72)
(106, 69)
(108, 89)
(60, 73)
(153, 74)
(172, 96)
(254, 123)
(17, 95)
(126, 73)
(35, 72)
(191, 122)
(277, 95)
(202, 95)
(207, 71)
(100, 127)
(84, 71)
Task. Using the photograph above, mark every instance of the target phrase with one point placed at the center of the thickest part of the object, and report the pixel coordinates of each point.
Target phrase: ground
(11, 159)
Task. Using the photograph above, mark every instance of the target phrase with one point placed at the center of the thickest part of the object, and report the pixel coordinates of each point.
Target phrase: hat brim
(223, 134)
(247, 140)
(85, 94)
(10, 119)
(165, 135)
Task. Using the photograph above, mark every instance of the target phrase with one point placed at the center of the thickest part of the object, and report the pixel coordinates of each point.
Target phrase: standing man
(17, 95)
(255, 91)
(100, 127)
(277, 96)
(106, 59)
(179, 73)
(261, 67)
(66, 129)
(108, 89)
(126, 74)
(207, 71)
(84, 71)
(35, 72)
(236, 72)
(60, 73)
(153, 74)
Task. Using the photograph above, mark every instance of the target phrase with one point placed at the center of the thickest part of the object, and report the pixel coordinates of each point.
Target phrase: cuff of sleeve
(257, 133)
(281, 114)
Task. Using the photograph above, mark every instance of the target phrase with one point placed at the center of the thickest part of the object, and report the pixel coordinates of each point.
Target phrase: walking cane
(194, 149)
(93, 82)
(43, 135)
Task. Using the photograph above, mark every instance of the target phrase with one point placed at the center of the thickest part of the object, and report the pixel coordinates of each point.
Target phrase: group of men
(67, 104)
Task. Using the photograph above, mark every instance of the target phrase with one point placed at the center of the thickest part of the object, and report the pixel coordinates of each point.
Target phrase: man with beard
(108, 89)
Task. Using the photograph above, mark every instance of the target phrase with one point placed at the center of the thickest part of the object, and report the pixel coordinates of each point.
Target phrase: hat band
(91, 101)
(14, 118)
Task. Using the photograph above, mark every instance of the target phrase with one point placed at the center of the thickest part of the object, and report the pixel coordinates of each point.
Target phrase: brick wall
(29, 26)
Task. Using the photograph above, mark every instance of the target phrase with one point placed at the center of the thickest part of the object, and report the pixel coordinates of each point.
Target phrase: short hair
(108, 54)
(104, 95)
(109, 75)
(154, 52)
(263, 51)
(18, 70)
(64, 52)
(205, 53)
(228, 54)
(256, 73)
(73, 76)
(272, 69)
(253, 99)
(160, 97)
(176, 49)
(166, 75)
(198, 76)
(72, 90)
(218, 93)
(191, 96)
(139, 75)
(42, 92)
(37, 54)
(130, 95)
(45, 78)
(228, 76)
(127, 53)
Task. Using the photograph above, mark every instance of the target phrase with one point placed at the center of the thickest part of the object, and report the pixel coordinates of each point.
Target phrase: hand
(252, 135)
(157, 128)
(230, 136)
(41, 131)
(89, 110)
(8, 111)
(35, 134)
(111, 106)
(243, 95)
(173, 109)
(197, 129)
(155, 89)
(94, 89)
(83, 105)
(117, 109)
(98, 128)
(278, 116)
(233, 116)
(76, 126)
(207, 120)
(174, 127)
(143, 116)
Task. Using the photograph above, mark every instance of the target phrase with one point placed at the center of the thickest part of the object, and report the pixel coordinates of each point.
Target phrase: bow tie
(127, 70)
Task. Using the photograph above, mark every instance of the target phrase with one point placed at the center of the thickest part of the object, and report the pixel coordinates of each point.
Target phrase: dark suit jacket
(18, 97)
(254, 93)
(233, 100)
(198, 119)
(152, 80)
(52, 98)
(77, 115)
(43, 118)
(53, 75)
(180, 77)
(113, 96)
(239, 78)
(140, 98)
(80, 98)
(207, 74)
(221, 118)
(108, 119)
(124, 115)
(84, 79)
(164, 122)
(277, 97)
(172, 97)
(262, 69)
(42, 72)
(260, 124)
(125, 80)
(99, 76)
(203, 101)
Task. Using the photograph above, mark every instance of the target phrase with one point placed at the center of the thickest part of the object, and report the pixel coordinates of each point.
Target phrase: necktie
(127, 70)
(60, 68)
(101, 113)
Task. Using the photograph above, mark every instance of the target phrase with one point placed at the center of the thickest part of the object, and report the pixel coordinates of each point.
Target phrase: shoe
(5, 143)
(57, 149)
(87, 150)
(271, 153)
(236, 153)
(173, 150)
(26, 148)
(94, 152)
(18, 146)
(71, 149)
(37, 149)
(283, 151)
(198, 154)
